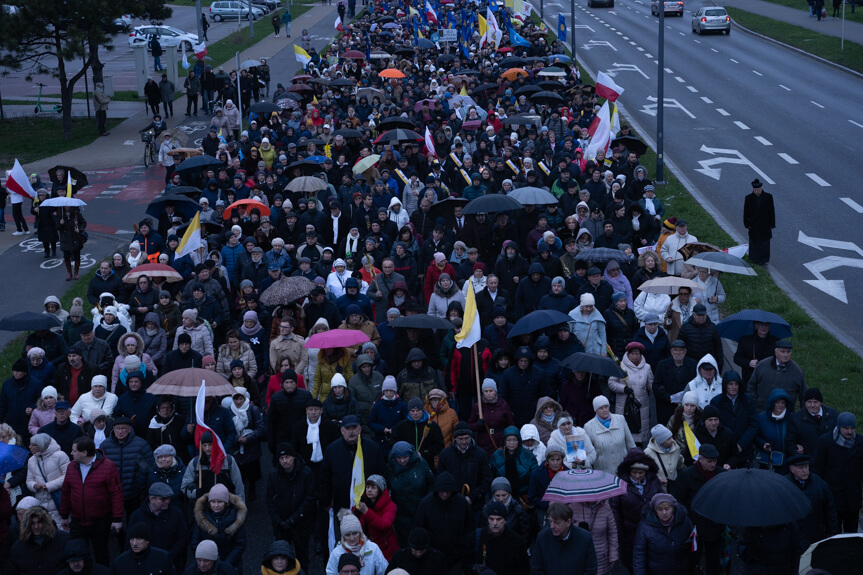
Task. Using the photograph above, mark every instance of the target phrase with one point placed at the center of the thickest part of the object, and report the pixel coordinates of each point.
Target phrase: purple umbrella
(583, 486)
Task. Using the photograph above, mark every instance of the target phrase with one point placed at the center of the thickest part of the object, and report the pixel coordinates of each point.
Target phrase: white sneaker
(28, 232)
(17, 233)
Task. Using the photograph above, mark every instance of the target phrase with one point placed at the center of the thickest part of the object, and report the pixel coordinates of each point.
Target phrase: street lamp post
(572, 31)
(660, 97)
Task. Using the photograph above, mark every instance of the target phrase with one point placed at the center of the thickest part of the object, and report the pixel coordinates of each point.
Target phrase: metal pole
(239, 97)
(251, 22)
(660, 96)
(542, 10)
(842, 43)
(572, 31)
(200, 23)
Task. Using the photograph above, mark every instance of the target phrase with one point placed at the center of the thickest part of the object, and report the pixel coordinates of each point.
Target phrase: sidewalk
(110, 152)
(828, 27)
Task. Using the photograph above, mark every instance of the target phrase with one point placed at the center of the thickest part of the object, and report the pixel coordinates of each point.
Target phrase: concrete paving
(829, 26)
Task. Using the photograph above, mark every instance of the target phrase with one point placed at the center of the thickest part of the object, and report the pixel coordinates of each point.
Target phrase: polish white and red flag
(429, 142)
(217, 456)
(338, 24)
(430, 13)
(19, 183)
(607, 88)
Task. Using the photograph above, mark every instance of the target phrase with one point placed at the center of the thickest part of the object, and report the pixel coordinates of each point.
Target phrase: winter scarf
(313, 438)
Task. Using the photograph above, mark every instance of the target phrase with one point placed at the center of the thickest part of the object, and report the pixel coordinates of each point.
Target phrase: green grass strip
(44, 137)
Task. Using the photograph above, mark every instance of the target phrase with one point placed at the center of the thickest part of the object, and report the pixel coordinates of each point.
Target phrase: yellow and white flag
(470, 328)
(692, 443)
(358, 474)
(69, 184)
(192, 238)
(302, 56)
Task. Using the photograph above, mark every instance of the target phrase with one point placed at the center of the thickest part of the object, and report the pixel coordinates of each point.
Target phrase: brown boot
(68, 270)
(77, 267)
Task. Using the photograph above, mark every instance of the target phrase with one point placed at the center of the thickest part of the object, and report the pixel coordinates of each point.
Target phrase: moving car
(711, 18)
(124, 22)
(169, 37)
(671, 8)
(231, 10)
(594, 3)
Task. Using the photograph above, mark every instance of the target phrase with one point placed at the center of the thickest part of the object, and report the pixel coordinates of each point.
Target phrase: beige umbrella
(366, 163)
(186, 382)
(306, 184)
(668, 285)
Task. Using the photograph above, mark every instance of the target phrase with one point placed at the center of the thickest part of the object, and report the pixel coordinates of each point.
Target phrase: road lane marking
(788, 158)
(853, 205)
(723, 112)
(714, 50)
(818, 180)
(706, 100)
(816, 103)
(679, 79)
(757, 73)
(669, 70)
(856, 124)
(639, 48)
(763, 140)
(741, 125)
(649, 55)
(733, 60)
(784, 87)
(692, 89)
(694, 40)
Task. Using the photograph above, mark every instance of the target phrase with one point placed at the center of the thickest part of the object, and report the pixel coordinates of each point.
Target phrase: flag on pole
(217, 456)
(185, 60)
(615, 121)
(302, 56)
(191, 238)
(69, 184)
(600, 132)
(470, 328)
(19, 183)
(430, 13)
(430, 143)
(200, 50)
(515, 39)
(358, 474)
(692, 443)
(607, 88)
(338, 24)
(483, 31)
(561, 28)
(494, 33)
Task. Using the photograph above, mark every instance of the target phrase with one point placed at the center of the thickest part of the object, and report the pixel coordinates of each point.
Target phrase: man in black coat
(498, 547)
(182, 357)
(759, 217)
(141, 559)
(105, 280)
(164, 523)
(599, 288)
(754, 347)
(711, 430)
(821, 522)
(689, 483)
(562, 547)
(336, 470)
(447, 516)
(320, 307)
(737, 413)
(778, 371)
(701, 336)
(287, 408)
(839, 461)
(94, 351)
(419, 558)
(489, 298)
(812, 422)
(469, 465)
(79, 560)
(62, 430)
(291, 497)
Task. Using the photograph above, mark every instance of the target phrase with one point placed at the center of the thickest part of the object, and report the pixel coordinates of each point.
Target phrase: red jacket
(100, 497)
(377, 524)
(433, 275)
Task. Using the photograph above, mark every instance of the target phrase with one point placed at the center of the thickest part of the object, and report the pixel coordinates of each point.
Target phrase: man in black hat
(319, 306)
(79, 560)
(759, 218)
(822, 521)
(498, 547)
(753, 347)
(287, 408)
(292, 495)
(671, 376)
(779, 371)
(419, 558)
(469, 465)
(349, 564)
(701, 338)
(141, 558)
(448, 517)
(95, 351)
(812, 422)
(164, 522)
(599, 288)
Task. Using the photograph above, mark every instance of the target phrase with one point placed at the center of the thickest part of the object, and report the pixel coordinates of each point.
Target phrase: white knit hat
(600, 401)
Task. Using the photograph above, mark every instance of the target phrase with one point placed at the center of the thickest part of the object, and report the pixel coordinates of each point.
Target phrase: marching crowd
(459, 445)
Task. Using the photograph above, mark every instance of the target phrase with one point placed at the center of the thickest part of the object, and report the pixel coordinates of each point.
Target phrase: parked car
(593, 3)
(711, 18)
(672, 8)
(169, 37)
(231, 10)
(124, 22)
(266, 5)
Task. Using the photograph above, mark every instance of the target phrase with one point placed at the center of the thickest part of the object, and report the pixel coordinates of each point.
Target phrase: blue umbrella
(537, 320)
(12, 458)
(564, 59)
(318, 159)
(741, 323)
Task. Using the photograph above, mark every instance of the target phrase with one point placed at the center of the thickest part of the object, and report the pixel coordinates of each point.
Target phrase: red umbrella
(419, 105)
(300, 78)
(355, 54)
(265, 211)
(153, 271)
(299, 88)
(336, 338)
(505, 50)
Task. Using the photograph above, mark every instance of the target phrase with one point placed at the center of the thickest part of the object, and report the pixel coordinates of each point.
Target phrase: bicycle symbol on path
(34, 245)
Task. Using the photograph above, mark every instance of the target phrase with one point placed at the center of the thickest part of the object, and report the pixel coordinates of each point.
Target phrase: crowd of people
(459, 445)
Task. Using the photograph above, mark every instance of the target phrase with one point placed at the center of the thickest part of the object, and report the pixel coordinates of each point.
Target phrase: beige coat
(245, 353)
(48, 467)
(670, 462)
(293, 348)
(611, 443)
(640, 379)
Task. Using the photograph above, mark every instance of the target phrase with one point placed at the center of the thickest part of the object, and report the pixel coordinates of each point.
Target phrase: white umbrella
(250, 64)
(63, 202)
(722, 262)
(668, 285)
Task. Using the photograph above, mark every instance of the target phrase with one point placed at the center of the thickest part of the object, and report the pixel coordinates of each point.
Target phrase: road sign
(449, 35)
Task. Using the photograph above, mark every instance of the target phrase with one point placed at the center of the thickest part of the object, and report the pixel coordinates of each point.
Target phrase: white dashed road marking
(856, 124)
(818, 180)
(788, 158)
(706, 100)
(757, 73)
(723, 112)
(853, 205)
(763, 140)
(741, 125)
(816, 103)
(785, 87)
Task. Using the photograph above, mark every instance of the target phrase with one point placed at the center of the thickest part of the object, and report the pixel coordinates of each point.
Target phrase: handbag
(632, 413)
(55, 495)
(769, 459)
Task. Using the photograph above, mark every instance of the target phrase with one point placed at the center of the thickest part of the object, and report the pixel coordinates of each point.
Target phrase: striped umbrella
(583, 486)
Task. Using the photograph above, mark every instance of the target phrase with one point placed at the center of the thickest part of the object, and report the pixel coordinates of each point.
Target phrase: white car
(711, 18)
(124, 22)
(169, 37)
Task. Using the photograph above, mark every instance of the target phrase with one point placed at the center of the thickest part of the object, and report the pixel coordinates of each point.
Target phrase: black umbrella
(424, 43)
(512, 62)
(210, 226)
(838, 554)
(79, 180)
(536, 58)
(28, 320)
(348, 133)
(491, 203)
(592, 363)
(398, 135)
(631, 143)
(444, 58)
(742, 323)
(405, 52)
(422, 321)
(264, 108)
(384, 19)
(547, 98)
(394, 123)
(185, 207)
(602, 255)
(469, 72)
(308, 167)
(315, 141)
(483, 88)
(444, 208)
(528, 90)
(187, 191)
(341, 82)
(537, 320)
(551, 85)
(198, 162)
(751, 498)
(293, 96)
(520, 120)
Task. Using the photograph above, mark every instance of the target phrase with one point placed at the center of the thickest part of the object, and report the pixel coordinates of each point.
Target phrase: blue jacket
(522, 389)
(221, 421)
(230, 255)
(133, 459)
(525, 463)
(659, 549)
(385, 414)
(16, 396)
(773, 431)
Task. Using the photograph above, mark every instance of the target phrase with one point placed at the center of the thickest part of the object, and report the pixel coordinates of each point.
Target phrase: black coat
(153, 561)
(175, 359)
(291, 497)
(335, 478)
(660, 550)
(29, 558)
(740, 417)
(759, 215)
(133, 459)
(522, 389)
(429, 446)
(470, 468)
(702, 339)
(450, 524)
(505, 554)
(689, 482)
(168, 531)
(842, 469)
(620, 328)
(773, 550)
(328, 432)
(601, 293)
(654, 351)
(669, 379)
(822, 521)
(138, 406)
(753, 347)
(432, 563)
(806, 429)
(724, 442)
(64, 435)
(573, 555)
(284, 412)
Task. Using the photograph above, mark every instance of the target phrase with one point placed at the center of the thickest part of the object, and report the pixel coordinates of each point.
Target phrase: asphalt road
(739, 107)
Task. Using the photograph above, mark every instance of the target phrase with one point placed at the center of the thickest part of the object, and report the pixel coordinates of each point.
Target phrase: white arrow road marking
(707, 165)
(129, 143)
(584, 27)
(818, 180)
(597, 44)
(618, 68)
(788, 158)
(821, 243)
(853, 205)
(669, 103)
(834, 288)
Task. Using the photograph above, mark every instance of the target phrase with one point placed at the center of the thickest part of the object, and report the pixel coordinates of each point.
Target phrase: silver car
(671, 8)
(711, 18)
(232, 10)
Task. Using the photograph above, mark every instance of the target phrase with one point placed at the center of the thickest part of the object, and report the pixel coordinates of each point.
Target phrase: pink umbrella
(336, 338)
(583, 486)
(153, 271)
